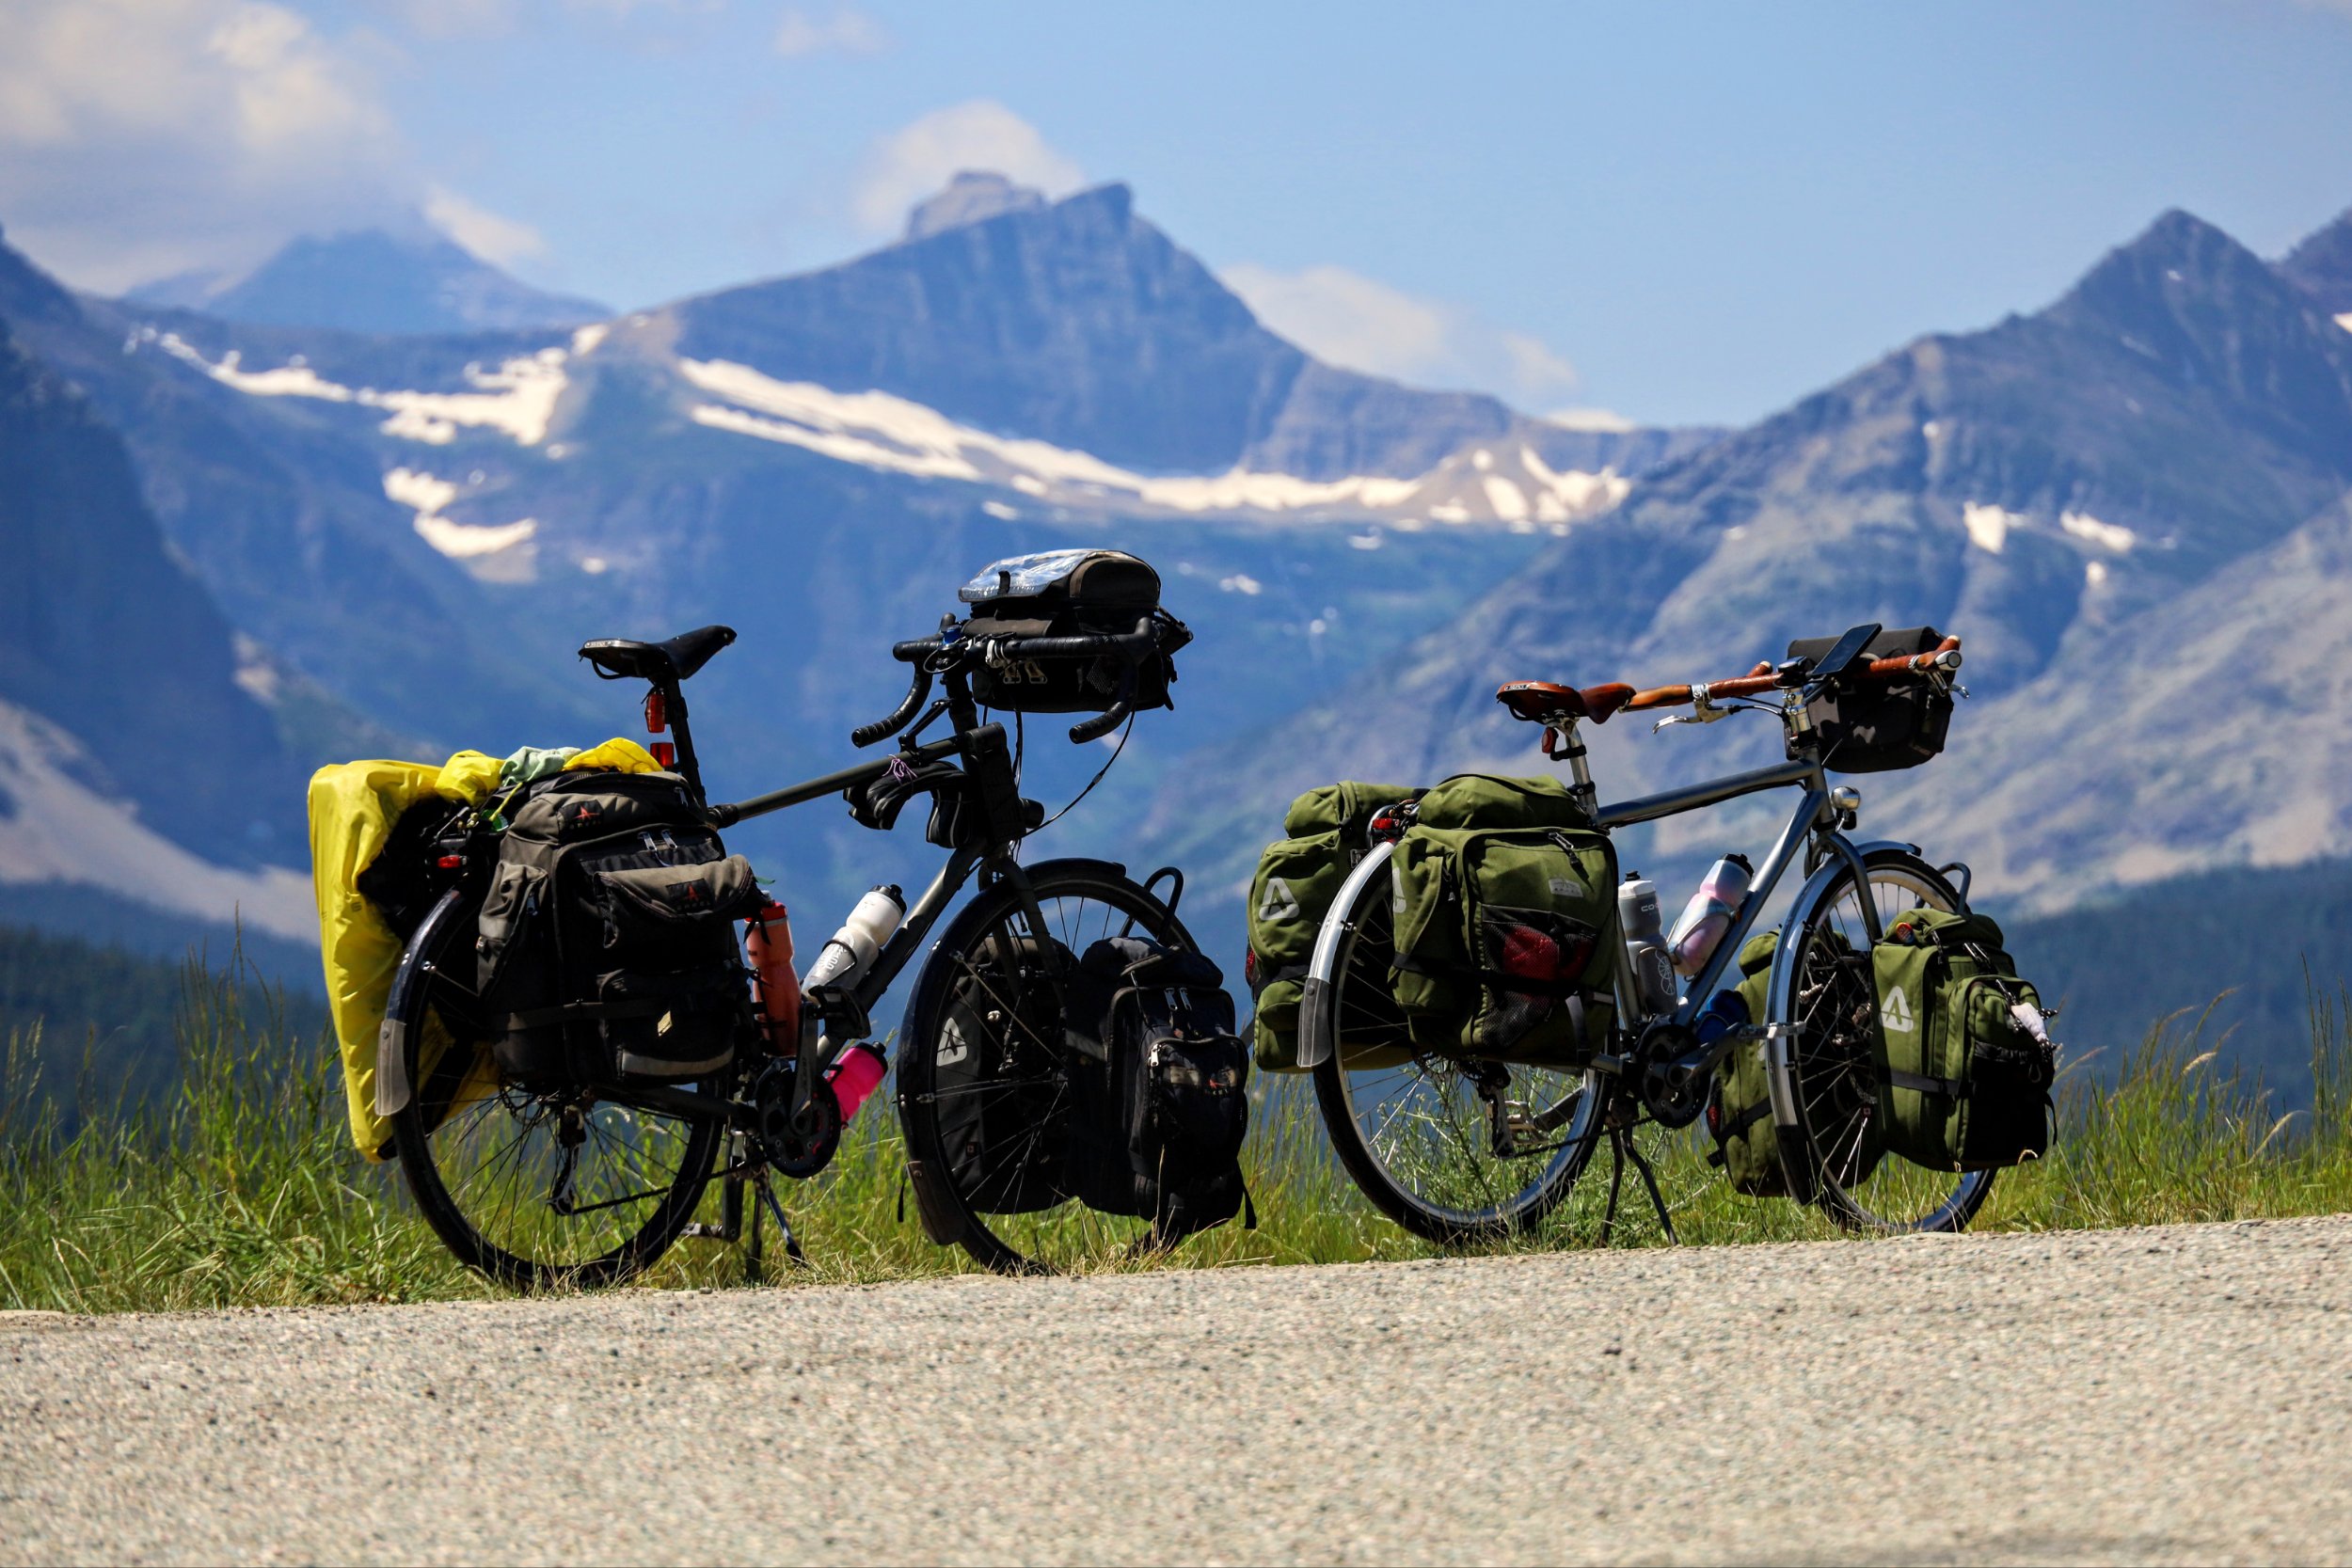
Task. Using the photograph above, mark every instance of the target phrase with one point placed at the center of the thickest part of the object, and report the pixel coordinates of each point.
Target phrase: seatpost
(673, 706)
(1571, 746)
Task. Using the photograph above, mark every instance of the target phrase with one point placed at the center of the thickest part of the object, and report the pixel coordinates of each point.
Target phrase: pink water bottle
(855, 1076)
(1707, 915)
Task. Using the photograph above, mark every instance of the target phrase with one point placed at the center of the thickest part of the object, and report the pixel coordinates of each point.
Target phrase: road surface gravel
(2173, 1394)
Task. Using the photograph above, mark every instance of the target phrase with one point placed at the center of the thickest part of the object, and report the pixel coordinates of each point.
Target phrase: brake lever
(1702, 711)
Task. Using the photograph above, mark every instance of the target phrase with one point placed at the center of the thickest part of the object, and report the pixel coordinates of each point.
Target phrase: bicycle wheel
(989, 1090)
(1458, 1151)
(1830, 1072)
(532, 1186)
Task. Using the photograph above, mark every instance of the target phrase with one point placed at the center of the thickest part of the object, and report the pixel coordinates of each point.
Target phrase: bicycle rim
(1457, 1151)
(539, 1187)
(989, 1093)
(1832, 1072)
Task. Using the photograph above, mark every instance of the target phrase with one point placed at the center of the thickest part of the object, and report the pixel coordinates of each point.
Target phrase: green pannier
(1739, 1112)
(1965, 1080)
(1295, 882)
(1506, 936)
(1492, 801)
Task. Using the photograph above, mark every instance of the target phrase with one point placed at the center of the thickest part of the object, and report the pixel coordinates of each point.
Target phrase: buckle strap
(1947, 1088)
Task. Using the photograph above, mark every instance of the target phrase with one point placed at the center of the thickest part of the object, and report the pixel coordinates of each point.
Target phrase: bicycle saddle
(1539, 701)
(617, 659)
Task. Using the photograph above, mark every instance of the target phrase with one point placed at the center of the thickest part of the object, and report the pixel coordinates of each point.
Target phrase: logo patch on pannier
(1895, 1012)
(1279, 903)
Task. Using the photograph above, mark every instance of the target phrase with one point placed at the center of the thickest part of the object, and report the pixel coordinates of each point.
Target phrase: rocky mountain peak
(2321, 266)
(974, 196)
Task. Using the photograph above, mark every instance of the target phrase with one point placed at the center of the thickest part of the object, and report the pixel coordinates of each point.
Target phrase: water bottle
(1645, 946)
(850, 950)
(1707, 915)
(855, 1076)
(769, 945)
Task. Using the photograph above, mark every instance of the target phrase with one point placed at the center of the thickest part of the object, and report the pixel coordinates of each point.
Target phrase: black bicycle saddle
(617, 659)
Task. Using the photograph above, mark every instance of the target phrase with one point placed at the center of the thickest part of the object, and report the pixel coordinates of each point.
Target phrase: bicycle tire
(1827, 1074)
(979, 1064)
(448, 1106)
(1485, 1196)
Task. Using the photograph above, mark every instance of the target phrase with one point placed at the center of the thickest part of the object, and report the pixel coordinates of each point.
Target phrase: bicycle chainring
(1673, 1090)
(797, 1149)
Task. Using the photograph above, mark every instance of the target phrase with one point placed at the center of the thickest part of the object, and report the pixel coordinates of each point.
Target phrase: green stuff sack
(1740, 1109)
(1507, 942)
(1297, 880)
(1492, 801)
(1965, 1081)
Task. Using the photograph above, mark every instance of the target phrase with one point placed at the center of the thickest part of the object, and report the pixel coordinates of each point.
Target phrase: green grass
(244, 1190)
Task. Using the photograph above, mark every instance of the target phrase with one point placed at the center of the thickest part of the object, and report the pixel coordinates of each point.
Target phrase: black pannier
(1004, 1123)
(1883, 725)
(607, 943)
(1163, 1103)
(1069, 593)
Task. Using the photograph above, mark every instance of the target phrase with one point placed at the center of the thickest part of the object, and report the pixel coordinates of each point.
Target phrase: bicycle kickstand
(767, 1205)
(1650, 1181)
(1622, 1149)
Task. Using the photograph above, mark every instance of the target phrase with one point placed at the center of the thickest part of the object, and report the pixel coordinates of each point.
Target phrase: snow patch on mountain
(56, 830)
(428, 495)
(517, 400)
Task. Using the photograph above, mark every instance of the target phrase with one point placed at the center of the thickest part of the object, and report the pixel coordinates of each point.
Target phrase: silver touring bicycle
(1460, 1147)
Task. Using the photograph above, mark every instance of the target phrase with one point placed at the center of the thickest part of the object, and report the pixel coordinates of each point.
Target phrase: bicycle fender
(1316, 995)
(392, 1087)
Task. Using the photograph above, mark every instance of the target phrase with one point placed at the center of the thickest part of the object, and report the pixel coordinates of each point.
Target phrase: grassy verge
(244, 1190)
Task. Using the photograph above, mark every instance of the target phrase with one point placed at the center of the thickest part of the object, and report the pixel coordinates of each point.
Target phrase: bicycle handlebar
(1944, 655)
(1133, 646)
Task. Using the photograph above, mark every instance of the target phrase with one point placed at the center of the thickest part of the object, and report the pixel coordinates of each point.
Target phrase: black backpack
(607, 943)
(1162, 1138)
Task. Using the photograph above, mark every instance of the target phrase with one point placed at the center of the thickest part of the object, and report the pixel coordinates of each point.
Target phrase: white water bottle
(846, 956)
(1707, 915)
(1645, 947)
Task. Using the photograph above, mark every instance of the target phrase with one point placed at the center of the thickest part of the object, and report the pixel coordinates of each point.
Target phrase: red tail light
(657, 713)
(664, 753)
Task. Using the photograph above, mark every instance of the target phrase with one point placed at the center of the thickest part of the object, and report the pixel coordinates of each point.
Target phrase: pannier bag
(1171, 1105)
(1738, 1103)
(1506, 936)
(1965, 1083)
(1069, 593)
(1882, 725)
(1297, 880)
(1005, 1124)
(606, 942)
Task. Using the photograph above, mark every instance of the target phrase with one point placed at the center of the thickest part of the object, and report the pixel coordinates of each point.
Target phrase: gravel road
(2174, 1394)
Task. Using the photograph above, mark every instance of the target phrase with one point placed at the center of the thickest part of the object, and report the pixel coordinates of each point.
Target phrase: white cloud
(1352, 320)
(139, 137)
(455, 19)
(846, 30)
(918, 159)
(485, 233)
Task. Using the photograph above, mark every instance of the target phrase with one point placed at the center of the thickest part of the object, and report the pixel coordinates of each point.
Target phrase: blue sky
(1679, 213)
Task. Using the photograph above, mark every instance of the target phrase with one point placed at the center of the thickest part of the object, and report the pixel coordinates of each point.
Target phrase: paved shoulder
(2182, 1393)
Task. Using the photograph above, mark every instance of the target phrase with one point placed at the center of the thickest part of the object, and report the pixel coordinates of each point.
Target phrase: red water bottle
(769, 945)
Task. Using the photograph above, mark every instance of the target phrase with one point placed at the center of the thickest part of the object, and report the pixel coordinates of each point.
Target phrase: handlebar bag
(607, 943)
(1163, 1140)
(1507, 942)
(1883, 725)
(1967, 1066)
(1069, 593)
(1292, 891)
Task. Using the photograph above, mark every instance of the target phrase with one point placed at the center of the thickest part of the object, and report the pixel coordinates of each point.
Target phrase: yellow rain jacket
(352, 808)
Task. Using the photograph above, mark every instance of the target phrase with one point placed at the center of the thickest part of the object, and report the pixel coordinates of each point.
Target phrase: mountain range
(346, 537)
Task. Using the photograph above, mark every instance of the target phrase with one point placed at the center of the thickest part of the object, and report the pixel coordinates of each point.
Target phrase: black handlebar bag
(1069, 593)
(1882, 725)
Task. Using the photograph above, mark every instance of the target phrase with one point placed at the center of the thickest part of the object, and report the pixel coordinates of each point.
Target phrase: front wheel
(999, 1109)
(1828, 1070)
(1458, 1151)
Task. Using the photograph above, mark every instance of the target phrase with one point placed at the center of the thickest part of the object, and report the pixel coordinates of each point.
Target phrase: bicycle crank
(797, 1147)
(1673, 1075)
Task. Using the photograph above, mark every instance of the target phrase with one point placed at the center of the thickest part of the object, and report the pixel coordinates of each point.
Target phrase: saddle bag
(1297, 880)
(1162, 1139)
(1506, 941)
(1069, 593)
(607, 944)
(1005, 1124)
(1885, 724)
(1967, 1065)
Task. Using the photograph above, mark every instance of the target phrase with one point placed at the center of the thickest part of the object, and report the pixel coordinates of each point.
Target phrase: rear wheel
(1831, 1067)
(991, 1093)
(1458, 1151)
(536, 1187)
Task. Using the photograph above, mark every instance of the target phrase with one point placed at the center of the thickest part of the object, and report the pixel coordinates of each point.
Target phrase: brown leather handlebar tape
(1762, 678)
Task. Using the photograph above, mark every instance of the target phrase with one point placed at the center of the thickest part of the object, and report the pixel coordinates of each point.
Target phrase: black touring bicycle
(573, 1142)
